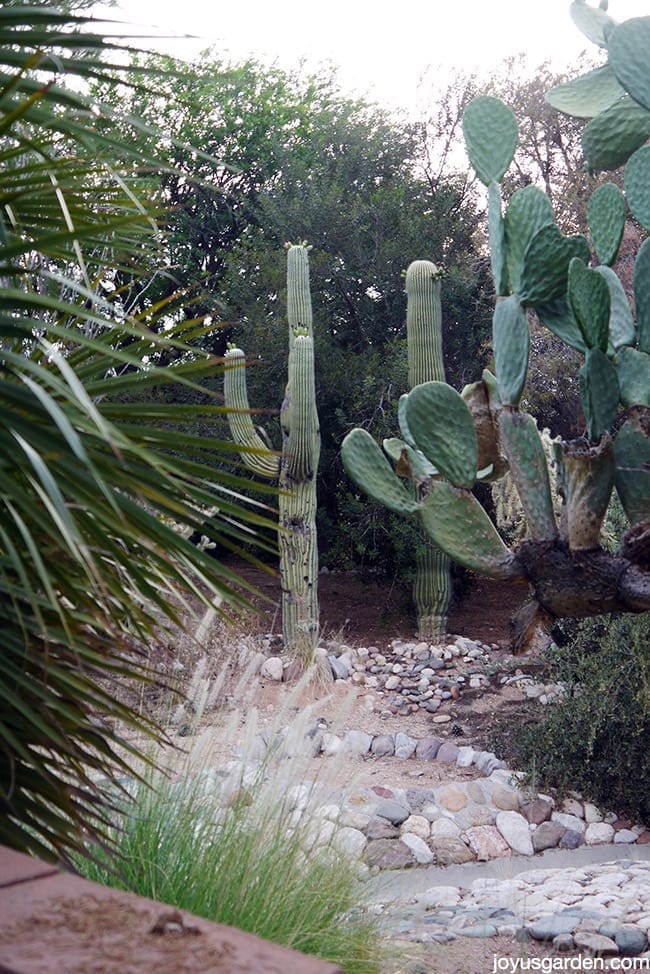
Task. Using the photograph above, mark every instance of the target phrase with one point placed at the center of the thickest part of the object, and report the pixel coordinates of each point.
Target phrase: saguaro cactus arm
(254, 451)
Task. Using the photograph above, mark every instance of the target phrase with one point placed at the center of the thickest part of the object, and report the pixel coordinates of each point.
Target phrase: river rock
(447, 752)
(595, 943)
(418, 847)
(450, 852)
(427, 748)
(357, 742)
(394, 811)
(417, 824)
(272, 669)
(630, 940)
(515, 830)
(388, 854)
(547, 835)
(487, 842)
(507, 799)
(598, 833)
(537, 811)
(404, 746)
(383, 745)
(380, 828)
(452, 797)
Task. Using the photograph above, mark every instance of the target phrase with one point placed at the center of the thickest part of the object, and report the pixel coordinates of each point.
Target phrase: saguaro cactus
(432, 585)
(295, 467)
(535, 267)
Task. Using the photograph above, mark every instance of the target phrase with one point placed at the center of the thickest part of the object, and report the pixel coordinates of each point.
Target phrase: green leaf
(642, 294)
(633, 369)
(370, 470)
(628, 45)
(510, 340)
(443, 429)
(622, 330)
(545, 266)
(600, 391)
(457, 523)
(496, 230)
(528, 211)
(632, 478)
(606, 219)
(588, 95)
(594, 22)
(609, 140)
(637, 185)
(491, 135)
(590, 302)
(558, 318)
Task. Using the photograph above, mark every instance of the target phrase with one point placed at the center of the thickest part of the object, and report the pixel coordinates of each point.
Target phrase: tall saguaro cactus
(432, 586)
(456, 439)
(296, 466)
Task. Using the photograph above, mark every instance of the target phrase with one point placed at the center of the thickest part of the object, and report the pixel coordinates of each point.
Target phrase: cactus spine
(432, 585)
(296, 466)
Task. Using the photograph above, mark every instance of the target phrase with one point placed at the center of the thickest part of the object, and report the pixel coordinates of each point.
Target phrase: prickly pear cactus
(538, 270)
(295, 467)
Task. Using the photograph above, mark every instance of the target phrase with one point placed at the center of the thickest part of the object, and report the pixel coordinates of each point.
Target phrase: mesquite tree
(483, 431)
(295, 467)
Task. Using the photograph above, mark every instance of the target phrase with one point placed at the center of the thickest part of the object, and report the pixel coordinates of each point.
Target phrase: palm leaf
(99, 490)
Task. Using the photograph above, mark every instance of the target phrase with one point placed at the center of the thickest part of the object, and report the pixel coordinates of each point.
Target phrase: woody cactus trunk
(432, 586)
(296, 466)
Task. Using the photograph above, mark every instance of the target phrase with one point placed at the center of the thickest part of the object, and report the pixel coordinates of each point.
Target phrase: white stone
(592, 813)
(445, 828)
(418, 847)
(625, 835)
(350, 841)
(598, 833)
(439, 896)
(515, 830)
(272, 669)
(357, 742)
(466, 755)
(418, 825)
(331, 745)
(569, 821)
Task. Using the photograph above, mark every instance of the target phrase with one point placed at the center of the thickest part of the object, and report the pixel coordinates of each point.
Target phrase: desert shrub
(597, 739)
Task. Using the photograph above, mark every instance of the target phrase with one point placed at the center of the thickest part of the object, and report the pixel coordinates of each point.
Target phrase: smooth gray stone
(549, 926)
(392, 810)
(629, 939)
(478, 930)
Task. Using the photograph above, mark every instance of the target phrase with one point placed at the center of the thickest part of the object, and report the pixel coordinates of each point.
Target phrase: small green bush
(237, 842)
(597, 739)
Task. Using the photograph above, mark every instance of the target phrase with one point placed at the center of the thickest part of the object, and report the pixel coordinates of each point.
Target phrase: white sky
(382, 49)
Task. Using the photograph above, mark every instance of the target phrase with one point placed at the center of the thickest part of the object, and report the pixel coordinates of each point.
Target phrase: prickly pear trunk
(300, 454)
(432, 586)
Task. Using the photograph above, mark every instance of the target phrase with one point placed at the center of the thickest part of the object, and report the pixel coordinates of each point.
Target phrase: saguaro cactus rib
(432, 589)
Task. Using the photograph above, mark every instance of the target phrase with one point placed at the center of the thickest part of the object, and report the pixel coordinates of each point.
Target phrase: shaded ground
(374, 612)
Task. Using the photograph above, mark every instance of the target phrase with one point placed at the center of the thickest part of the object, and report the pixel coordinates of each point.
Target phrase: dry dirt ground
(366, 613)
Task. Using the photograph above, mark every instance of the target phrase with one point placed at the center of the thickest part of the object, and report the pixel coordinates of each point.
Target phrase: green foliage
(596, 740)
(98, 497)
(242, 859)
